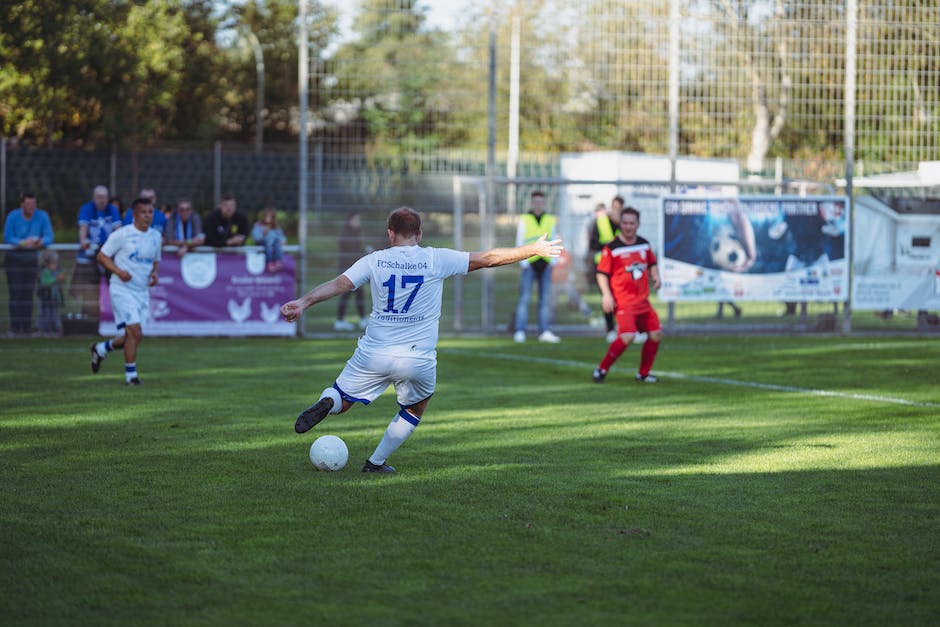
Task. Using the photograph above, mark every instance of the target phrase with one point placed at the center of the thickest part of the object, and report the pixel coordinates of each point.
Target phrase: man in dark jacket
(225, 226)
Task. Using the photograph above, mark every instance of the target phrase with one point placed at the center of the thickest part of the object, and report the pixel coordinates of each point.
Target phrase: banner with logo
(214, 294)
(768, 248)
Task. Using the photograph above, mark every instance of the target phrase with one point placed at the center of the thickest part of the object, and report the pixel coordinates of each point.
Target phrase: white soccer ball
(329, 453)
(727, 252)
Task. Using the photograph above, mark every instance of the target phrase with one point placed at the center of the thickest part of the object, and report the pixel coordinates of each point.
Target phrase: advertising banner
(767, 248)
(895, 260)
(214, 294)
(895, 290)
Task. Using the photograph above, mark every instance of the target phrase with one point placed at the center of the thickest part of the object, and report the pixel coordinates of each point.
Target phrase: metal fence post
(216, 174)
(3, 179)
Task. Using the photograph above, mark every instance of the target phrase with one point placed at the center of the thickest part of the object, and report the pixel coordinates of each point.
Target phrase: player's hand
(744, 266)
(154, 279)
(291, 310)
(124, 275)
(608, 304)
(548, 248)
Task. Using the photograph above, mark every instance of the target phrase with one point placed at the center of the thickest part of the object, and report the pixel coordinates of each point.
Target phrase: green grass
(762, 481)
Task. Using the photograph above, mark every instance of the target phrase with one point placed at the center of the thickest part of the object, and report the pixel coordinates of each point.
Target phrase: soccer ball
(727, 252)
(329, 453)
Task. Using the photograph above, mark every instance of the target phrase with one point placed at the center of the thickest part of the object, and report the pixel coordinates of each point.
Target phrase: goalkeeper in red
(624, 272)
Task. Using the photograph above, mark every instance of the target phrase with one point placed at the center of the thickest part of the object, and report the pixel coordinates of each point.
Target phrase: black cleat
(134, 381)
(96, 359)
(311, 417)
(648, 378)
(383, 468)
(599, 375)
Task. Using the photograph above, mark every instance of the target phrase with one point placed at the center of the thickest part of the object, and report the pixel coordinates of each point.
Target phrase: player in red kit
(624, 272)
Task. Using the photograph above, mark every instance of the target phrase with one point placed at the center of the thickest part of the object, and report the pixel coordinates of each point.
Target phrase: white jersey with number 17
(407, 286)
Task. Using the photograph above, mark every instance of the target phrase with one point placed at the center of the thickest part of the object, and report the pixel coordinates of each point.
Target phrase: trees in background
(759, 78)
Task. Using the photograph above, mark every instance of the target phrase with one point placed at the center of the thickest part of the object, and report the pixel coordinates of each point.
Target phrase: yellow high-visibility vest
(535, 229)
(605, 233)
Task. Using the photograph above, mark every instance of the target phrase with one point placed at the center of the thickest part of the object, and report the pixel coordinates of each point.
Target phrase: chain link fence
(400, 108)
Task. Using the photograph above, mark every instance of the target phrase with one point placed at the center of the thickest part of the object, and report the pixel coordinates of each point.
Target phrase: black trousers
(22, 269)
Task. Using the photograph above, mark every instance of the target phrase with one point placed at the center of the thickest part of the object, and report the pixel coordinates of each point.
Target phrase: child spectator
(267, 233)
(50, 293)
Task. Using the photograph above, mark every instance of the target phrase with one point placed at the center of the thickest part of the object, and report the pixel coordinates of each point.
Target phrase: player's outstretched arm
(293, 309)
(542, 247)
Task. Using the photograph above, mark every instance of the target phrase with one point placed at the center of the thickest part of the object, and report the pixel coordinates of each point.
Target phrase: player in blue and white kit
(399, 346)
(132, 255)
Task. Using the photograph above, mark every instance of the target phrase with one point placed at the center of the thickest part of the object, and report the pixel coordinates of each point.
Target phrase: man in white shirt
(399, 346)
(132, 255)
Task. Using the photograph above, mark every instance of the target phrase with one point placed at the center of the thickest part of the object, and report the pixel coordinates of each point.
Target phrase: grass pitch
(762, 481)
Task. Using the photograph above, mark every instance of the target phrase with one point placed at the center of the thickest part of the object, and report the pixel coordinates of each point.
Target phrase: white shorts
(368, 374)
(129, 307)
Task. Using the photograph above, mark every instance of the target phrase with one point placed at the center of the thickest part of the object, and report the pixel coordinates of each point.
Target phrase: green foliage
(397, 71)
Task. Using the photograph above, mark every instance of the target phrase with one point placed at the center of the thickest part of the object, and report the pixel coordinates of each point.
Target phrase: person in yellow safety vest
(533, 225)
(604, 230)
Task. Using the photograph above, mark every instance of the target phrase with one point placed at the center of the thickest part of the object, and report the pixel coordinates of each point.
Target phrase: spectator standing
(350, 249)
(28, 229)
(226, 226)
(132, 255)
(624, 272)
(603, 231)
(97, 219)
(535, 269)
(159, 218)
(399, 346)
(184, 229)
(267, 233)
(50, 293)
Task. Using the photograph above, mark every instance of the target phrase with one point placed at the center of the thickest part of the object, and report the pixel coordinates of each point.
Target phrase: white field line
(691, 377)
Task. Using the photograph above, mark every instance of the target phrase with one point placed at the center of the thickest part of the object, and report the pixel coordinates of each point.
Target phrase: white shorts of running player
(368, 374)
(130, 307)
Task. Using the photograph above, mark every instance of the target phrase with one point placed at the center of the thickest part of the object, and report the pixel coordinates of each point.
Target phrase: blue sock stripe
(409, 417)
(108, 347)
(130, 367)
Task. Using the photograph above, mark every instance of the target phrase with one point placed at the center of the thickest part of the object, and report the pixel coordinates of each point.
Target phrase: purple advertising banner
(214, 294)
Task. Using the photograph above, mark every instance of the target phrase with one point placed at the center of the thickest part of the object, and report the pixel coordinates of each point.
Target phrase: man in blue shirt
(28, 229)
(96, 220)
(159, 220)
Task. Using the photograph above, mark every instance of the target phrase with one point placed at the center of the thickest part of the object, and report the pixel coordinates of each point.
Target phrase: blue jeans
(272, 243)
(530, 276)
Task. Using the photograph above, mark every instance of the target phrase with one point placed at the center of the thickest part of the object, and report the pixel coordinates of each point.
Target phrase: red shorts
(631, 321)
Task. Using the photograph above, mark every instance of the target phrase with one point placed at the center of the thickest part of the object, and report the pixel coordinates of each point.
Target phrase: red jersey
(627, 266)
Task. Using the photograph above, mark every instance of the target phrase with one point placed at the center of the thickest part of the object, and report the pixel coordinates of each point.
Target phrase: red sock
(647, 356)
(613, 352)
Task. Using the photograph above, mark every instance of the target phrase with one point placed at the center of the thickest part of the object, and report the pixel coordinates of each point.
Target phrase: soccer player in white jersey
(132, 255)
(399, 346)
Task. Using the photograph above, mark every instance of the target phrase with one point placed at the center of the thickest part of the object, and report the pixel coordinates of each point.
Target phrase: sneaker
(134, 381)
(549, 337)
(611, 336)
(96, 359)
(648, 378)
(370, 467)
(311, 417)
(342, 325)
(518, 337)
(599, 375)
